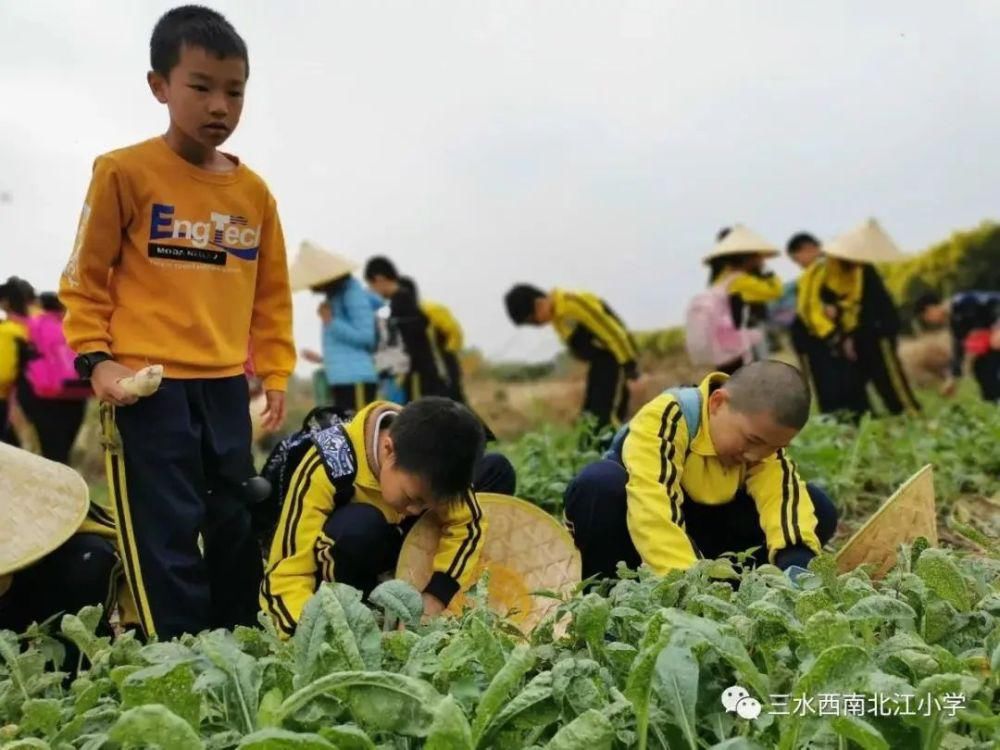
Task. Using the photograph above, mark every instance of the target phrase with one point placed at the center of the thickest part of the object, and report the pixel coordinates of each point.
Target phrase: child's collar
(701, 442)
(363, 434)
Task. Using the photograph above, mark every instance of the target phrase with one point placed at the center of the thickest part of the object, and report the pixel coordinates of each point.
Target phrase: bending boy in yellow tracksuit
(352, 491)
(700, 472)
(594, 333)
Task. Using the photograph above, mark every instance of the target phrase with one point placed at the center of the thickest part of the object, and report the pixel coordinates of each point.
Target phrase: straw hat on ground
(314, 266)
(740, 241)
(908, 514)
(42, 504)
(524, 550)
(867, 243)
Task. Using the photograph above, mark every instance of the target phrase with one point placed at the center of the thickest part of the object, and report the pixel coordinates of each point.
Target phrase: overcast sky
(596, 145)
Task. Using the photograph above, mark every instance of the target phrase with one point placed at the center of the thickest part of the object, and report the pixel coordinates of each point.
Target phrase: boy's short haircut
(928, 299)
(381, 266)
(440, 440)
(49, 301)
(18, 293)
(774, 388)
(194, 26)
(799, 241)
(520, 302)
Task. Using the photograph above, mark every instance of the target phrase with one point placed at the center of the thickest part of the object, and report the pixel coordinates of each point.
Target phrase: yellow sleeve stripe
(474, 533)
(672, 416)
(298, 492)
(324, 557)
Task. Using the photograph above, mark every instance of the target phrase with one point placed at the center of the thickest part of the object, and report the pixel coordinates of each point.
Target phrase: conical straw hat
(42, 504)
(524, 550)
(739, 241)
(867, 243)
(314, 266)
(908, 514)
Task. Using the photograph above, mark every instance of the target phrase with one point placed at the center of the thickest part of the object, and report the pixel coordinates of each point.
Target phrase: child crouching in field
(700, 472)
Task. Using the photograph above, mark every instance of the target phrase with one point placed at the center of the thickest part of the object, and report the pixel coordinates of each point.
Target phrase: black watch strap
(85, 363)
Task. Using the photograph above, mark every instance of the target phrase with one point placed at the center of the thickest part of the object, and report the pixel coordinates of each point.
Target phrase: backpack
(712, 337)
(689, 397)
(391, 359)
(323, 429)
(50, 371)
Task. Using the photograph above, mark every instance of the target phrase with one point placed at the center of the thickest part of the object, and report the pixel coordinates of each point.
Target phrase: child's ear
(158, 85)
(717, 399)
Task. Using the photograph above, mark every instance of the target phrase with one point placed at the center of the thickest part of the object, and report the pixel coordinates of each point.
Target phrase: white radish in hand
(143, 383)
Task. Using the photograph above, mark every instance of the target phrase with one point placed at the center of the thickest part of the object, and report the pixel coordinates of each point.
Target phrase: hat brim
(524, 550)
(42, 503)
(910, 513)
(766, 253)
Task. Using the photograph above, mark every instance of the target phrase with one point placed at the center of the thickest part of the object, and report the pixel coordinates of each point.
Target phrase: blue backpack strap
(689, 398)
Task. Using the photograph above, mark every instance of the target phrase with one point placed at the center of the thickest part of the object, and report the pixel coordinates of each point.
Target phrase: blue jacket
(349, 339)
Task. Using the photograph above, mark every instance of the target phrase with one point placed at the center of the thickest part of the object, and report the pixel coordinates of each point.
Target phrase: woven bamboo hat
(314, 266)
(524, 550)
(908, 514)
(740, 241)
(868, 243)
(42, 504)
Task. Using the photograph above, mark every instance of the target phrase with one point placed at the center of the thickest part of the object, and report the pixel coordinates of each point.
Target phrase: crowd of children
(180, 261)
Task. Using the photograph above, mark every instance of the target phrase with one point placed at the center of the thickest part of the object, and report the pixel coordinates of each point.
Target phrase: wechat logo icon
(737, 699)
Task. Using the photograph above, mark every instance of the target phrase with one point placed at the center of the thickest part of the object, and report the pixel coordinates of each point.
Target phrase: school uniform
(595, 334)
(749, 296)
(662, 497)
(335, 526)
(425, 376)
(447, 339)
(12, 337)
(972, 313)
(183, 267)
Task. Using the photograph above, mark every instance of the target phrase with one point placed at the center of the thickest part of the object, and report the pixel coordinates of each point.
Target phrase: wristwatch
(85, 363)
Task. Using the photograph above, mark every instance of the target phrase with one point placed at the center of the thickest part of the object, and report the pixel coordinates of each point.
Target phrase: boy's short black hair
(771, 387)
(49, 301)
(409, 285)
(18, 293)
(520, 302)
(195, 26)
(440, 440)
(381, 266)
(924, 301)
(799, 241)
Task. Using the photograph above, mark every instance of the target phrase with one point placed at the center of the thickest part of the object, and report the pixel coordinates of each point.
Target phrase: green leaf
(336, 632)
(838, 667)
(677, 687)
(282, 739)
(860, 732)
(80, 629)
(736, 743)
(521, 660)
(379, 701)
(242, 673)
(28, 743)
(170, 685)
(938, 570)
(825, 629)
(154, 725)
(881, 607)
(347, 737)
(400, 599)
(533, 706)
(450, 729)
(40, 716)
(590, 620)
(588, 731)
(491, 655)
(640, 679)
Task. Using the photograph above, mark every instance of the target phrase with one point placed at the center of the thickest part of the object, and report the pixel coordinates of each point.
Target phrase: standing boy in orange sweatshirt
(180, 261)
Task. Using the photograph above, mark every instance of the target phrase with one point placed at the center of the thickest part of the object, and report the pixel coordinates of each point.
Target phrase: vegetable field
(833, 661)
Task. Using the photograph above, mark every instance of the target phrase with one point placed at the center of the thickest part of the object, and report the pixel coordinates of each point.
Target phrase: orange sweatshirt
(179, 266)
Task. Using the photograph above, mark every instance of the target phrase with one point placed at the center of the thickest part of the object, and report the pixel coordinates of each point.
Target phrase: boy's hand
(105, 382)
(273, 415)
(312, 356)
(949, 386)
(432, 605)
(850, 351)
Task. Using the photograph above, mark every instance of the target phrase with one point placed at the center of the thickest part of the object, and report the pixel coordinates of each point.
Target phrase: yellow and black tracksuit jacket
(590, 328)
(300, 557)
(12, 336)
(667, 466)
(830, 286)
(749, 295)
(446, 331)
